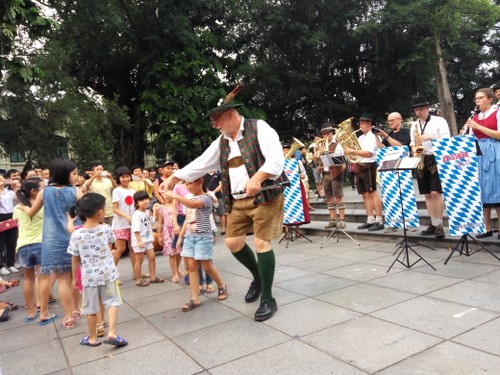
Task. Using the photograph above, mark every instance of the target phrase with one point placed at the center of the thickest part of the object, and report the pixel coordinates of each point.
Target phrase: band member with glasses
(485, 126)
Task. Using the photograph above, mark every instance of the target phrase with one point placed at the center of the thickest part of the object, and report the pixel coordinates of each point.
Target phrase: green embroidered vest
(253, 160)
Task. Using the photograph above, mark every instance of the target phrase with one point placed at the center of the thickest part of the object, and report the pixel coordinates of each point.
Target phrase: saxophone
(418, 148)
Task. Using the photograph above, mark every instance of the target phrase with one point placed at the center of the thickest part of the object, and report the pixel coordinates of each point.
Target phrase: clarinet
(279, 185)
(474, 112)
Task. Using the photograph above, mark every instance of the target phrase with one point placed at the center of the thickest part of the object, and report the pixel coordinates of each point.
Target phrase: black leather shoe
(366, 226)
(376, 226)
(439, 232)
(266, 310)
(253, 292)
(430, 230)
(484, 235)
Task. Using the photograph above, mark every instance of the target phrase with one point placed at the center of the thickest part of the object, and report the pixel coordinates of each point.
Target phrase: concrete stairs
(355, 215)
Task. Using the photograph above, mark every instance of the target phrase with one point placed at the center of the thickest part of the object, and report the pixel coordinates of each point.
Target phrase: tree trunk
(446, 104)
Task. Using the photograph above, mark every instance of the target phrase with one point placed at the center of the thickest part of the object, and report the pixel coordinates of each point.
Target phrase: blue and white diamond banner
(294, 209)
(456, 159)
(390, 192)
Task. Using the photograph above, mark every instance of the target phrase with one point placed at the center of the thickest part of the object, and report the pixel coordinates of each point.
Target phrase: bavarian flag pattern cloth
(294, 209)
(457, 163)
(391, 196)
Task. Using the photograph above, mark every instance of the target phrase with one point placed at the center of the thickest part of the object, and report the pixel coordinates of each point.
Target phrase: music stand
(404, 247)
(293, 233)
(334, 230)
(464, 243)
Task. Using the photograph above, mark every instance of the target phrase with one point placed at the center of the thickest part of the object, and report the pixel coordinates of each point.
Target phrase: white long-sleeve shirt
(270, 147)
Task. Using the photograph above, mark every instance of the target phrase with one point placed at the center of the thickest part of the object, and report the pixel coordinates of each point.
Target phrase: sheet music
(408, 163)
(394, 154)
(327, 160)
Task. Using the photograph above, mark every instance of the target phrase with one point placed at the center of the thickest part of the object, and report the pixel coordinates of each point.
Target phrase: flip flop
(44, 322)
(117, 341)
(29, 319)
(85, 341)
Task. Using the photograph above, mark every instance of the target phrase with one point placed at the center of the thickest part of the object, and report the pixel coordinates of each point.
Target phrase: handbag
(7, 225)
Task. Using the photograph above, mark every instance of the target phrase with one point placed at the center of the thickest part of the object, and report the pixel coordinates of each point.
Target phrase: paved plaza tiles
(340, 312)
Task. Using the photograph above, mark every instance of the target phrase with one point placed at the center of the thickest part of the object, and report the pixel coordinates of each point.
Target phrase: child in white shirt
(142, 239)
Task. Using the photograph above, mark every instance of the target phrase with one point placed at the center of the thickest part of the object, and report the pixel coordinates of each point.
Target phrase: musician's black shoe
(439, 232)
(266, 310)
(376, 226)
(253, 292)
(484, 235)
(366, 226)
(430, 230)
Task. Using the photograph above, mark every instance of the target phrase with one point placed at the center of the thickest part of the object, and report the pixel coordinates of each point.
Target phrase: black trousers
(8, 241)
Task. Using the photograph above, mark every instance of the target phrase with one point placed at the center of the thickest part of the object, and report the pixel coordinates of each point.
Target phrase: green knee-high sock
(246, 257)
(266, 269)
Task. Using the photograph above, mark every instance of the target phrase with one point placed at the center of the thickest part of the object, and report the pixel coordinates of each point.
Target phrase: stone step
(357, 203)
(393, 238)
(358, 215)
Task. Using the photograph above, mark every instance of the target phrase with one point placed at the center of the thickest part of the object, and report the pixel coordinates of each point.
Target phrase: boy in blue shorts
(196, 241)
(89, 246)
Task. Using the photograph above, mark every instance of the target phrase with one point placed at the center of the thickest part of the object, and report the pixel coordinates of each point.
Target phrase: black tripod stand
(404, 246)
(335, 231)
(292, 233)
(464, 243)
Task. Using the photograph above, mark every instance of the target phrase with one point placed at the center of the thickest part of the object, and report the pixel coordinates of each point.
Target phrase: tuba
(296, 145)
(346, 136)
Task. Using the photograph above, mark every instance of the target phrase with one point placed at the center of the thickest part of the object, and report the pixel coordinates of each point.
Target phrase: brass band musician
(366, 174)
(425, 129)
(332, 176)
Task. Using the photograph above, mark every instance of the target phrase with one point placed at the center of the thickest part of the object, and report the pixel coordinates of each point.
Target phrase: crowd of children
(67, 234)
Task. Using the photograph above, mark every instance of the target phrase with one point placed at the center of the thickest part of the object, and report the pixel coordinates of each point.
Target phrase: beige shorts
(265, 220)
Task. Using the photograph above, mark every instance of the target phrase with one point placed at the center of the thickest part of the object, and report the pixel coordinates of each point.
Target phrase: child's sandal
(190, 305)
(222, 293)
(100, 330)
(68, 323)
(142, 283)
(210, 288)
(157, 280)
